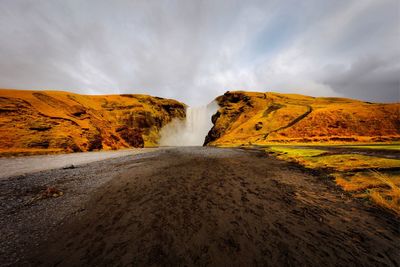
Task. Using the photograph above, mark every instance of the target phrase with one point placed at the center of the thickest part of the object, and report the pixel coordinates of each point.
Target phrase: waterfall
(192, 130)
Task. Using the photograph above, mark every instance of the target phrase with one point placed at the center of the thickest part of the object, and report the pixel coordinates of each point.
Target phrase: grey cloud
(195, 50)
(367, 78)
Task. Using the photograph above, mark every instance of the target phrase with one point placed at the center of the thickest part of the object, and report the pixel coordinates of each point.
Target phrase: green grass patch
(297, 152)
(347, 162)
(319, 159)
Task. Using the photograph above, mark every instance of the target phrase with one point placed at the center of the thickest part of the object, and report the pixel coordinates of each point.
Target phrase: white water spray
(191, 131)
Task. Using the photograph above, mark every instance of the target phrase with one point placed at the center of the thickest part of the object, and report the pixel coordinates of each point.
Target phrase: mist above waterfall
(192, 130)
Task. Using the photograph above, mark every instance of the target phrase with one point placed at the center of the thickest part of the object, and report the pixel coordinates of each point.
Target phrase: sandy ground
(203, 206)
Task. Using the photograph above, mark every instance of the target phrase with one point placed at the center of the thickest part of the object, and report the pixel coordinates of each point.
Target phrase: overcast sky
(195, 50)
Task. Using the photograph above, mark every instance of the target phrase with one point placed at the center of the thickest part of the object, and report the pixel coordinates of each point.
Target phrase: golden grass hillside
(35, 121)
(249, 118)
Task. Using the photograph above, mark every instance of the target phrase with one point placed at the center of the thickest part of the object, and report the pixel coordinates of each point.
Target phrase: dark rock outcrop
(132, 136)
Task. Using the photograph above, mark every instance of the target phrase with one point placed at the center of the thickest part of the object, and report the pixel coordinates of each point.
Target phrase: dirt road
(219, 207)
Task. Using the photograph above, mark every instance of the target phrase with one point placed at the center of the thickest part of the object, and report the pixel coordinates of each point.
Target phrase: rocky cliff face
(262, 118)
(32, 121)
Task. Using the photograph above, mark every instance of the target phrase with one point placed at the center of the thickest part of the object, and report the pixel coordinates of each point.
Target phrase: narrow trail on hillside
(293, 122)
(221, 207)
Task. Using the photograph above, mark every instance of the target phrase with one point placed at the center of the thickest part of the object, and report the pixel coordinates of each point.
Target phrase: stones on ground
(49, 192)
(69, 167)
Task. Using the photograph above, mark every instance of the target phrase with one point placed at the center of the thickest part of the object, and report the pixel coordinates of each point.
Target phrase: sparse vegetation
(383, 189)
(354, 173)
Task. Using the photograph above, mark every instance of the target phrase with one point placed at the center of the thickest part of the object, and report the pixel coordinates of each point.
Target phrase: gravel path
(22, 165)
(209, 206)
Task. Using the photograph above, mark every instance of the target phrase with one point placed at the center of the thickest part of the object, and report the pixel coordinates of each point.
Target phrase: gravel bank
(13, 166)
(23, 222)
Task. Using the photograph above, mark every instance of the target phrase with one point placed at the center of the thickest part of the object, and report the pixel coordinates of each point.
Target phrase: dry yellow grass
(320, 159)
(389, 198)
(33, 121)
(352, 172)
(248, 118)
(383, 189)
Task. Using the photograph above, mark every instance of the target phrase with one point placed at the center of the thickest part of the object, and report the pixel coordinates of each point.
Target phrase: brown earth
(34, 122)
(246, 118)
(221, 207)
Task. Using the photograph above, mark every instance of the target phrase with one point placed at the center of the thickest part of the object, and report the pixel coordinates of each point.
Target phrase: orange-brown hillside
(34, 121)
(263, 118)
